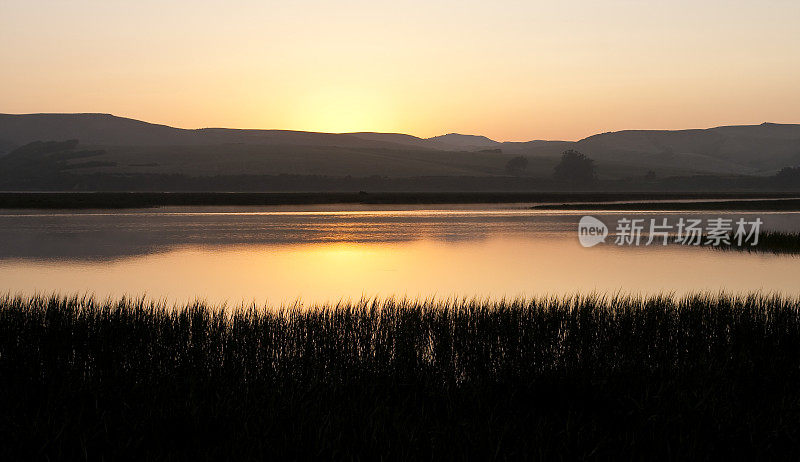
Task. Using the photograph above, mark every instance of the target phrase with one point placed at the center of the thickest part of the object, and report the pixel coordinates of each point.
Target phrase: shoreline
(788, 204)
(539, 200)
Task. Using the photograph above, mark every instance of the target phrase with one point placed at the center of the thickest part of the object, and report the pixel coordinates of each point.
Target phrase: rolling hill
(109, 130)
(121, 145)
(750, 149)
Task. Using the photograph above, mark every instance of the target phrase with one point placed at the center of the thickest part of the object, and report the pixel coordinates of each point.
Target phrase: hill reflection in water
(281, 255)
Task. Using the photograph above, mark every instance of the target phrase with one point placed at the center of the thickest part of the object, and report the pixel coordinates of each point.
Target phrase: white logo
(717, 232)
(591, 231)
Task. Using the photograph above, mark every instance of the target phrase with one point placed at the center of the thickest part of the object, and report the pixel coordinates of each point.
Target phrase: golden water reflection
(317, 272)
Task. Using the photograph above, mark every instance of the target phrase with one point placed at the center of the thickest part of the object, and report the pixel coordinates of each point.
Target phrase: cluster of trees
(39, 164)
(517, 165)
(575, 167)
(56, 165)
(788, 175)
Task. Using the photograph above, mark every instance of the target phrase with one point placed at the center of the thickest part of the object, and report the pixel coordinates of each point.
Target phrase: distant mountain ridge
(465, 141)
(745, 149)
(110, 130)
(755, 149)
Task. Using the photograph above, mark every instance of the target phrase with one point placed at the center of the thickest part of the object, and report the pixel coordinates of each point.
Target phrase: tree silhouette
(788, 175)
(575, 166)
(516, 165)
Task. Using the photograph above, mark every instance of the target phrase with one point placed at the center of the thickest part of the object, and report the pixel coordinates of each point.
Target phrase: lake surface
(278, 255)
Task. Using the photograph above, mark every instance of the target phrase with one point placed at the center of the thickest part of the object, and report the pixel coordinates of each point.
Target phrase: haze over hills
(752, 149)
(109, 130)
(465, 141)
(123, 145)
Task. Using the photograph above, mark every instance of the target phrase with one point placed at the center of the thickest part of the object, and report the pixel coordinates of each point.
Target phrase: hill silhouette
(132, 146)
(753, 149)
(465, 141)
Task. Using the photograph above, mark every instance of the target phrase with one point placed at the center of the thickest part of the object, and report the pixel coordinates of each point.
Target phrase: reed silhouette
(600, 376)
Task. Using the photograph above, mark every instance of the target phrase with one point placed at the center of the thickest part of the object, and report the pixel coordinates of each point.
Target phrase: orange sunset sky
(510, 70)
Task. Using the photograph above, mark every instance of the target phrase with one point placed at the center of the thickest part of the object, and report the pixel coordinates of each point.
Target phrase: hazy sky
(511, 70)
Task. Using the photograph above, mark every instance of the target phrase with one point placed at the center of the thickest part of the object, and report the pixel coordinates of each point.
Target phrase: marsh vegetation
(772, 242)
(657, 377)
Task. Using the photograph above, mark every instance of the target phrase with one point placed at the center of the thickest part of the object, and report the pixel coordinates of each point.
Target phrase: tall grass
(773, 242)
(554, 377)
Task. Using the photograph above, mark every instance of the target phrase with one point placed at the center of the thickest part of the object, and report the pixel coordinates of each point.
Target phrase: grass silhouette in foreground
(587, 376)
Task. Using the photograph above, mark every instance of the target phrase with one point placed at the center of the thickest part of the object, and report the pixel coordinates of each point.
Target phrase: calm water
(317, 254)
